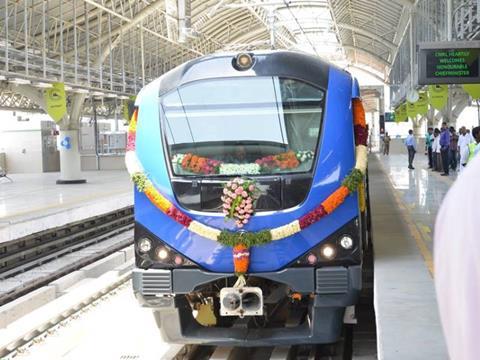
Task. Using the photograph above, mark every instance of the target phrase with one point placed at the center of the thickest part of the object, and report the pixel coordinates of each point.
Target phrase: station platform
(404, 204)
(34, 202)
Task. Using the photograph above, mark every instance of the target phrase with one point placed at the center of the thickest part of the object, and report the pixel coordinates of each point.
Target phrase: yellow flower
(157, 199)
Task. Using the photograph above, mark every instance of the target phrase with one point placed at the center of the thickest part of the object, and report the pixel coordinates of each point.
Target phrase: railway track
(358, 341)
(20, 259)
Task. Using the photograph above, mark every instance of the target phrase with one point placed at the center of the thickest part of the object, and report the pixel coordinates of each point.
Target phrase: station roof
(113, 47)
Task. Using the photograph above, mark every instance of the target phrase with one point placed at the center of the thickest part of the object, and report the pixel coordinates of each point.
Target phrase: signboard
(401, 113)
(56, 101)
(421, 106)
(449, 63)
(128, 108)
(389, 117)
(438, 96)
(473, 90)
(411, 110)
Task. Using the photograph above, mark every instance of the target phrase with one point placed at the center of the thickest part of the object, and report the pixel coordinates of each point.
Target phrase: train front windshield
(242, 126)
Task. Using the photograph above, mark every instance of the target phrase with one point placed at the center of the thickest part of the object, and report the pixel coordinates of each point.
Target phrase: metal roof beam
(135, 22)
(367, 71)
(368, 34)
(286, 42)
(368, 53)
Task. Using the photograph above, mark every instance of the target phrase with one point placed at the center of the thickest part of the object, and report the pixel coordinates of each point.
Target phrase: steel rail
(26, 254)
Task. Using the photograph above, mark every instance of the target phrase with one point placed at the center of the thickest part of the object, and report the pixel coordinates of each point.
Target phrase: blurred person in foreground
(457, 264)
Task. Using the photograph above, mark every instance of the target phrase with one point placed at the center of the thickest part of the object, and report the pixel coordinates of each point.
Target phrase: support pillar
(70, 164)
(417, 128)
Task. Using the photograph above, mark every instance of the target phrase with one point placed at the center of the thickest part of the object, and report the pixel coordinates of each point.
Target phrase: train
(250, 200)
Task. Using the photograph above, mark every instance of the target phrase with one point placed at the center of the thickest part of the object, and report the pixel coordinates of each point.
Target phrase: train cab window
(242, 126)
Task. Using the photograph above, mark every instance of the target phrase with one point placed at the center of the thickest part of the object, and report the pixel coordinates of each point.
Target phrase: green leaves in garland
(353, 180)
(248, 239)
(140, 180)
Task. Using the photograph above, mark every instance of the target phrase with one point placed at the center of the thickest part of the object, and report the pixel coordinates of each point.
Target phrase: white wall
(23, 150)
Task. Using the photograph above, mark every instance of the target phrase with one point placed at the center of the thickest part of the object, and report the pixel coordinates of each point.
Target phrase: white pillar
(70, 166)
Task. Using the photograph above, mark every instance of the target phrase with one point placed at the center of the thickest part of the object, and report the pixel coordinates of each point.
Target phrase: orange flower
(336, 199)
(241, 259)
(358, 113)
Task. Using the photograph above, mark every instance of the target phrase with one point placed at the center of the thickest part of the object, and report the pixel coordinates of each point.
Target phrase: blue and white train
(235, 109)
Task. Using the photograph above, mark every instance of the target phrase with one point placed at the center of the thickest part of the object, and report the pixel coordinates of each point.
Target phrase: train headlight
(144, 245)
(162, 253)
(243, 61)
(328, 252)
(346, 242)
(312, 259)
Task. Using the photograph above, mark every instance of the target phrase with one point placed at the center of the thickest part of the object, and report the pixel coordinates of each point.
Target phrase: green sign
(421, 106)
(473, 90)
(411, 110)
(438, 96)
(389, 117)
(401, 113)
(128, 108)
(56, 101)
(449, 63)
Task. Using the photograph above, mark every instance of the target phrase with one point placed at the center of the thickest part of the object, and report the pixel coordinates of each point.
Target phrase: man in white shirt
(463, 141)
(457, 264)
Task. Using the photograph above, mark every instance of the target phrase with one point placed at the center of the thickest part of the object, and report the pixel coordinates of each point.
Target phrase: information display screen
(449, 65)
(389, 117)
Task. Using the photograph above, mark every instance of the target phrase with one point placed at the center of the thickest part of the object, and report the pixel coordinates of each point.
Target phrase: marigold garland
(242, 241)
(336, 199)
(358, 113)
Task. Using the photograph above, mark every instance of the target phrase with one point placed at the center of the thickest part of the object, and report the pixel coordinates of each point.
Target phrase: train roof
(298, 65)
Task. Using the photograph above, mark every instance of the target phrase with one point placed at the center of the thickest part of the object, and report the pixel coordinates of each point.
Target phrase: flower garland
(238, 198)
(283, 161)
(203, 165)
(199, 164)
(242, 241)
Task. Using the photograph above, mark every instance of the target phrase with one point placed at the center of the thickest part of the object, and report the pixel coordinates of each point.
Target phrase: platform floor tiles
(32, 193)
(404, 206)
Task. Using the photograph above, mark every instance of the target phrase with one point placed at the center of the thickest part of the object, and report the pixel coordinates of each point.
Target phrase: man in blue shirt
(411, 147)
(445, 147)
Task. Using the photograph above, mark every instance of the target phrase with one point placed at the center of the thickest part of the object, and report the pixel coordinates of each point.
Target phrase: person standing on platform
(386, 144)
(445, 148)
(429, 145)
(457, 259)
(411, 147)
(453, 148)
(437, 158)
(463, 142)
(474, 147)
(470, 136)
